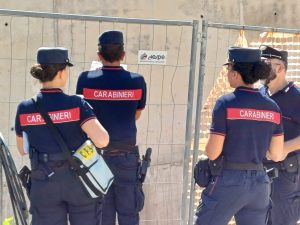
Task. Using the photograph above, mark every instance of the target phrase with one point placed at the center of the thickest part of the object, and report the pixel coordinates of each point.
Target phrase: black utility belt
(290, 164)
(220, 164)
(243, 166)
(205, 169)
(116, 152)
(46, 157)
(49, 157)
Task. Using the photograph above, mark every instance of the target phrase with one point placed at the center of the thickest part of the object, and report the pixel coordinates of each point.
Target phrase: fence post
(198, 116)
(189, 117)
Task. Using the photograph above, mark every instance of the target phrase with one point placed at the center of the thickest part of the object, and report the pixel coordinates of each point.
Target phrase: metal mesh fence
(170, 89)
(216, 38)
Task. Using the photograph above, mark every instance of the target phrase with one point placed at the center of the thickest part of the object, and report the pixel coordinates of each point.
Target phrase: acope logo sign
(156, 57)
(144, 56)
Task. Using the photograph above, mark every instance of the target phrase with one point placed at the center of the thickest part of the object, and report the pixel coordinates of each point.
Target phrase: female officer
(56, 193)
(246, 127)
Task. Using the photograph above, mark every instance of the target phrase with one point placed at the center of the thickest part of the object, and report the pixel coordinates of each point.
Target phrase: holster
(216, 166)
(25, 177)
(272, 173)
(146, 159)
(290, 164)
(202, 174)
(205, 169)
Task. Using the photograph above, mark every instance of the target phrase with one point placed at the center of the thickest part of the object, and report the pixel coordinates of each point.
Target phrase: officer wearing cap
(57, 195)
(286, 188)
(246, 126)
(118, 98)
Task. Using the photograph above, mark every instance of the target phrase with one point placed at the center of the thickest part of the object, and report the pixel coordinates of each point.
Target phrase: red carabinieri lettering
(62, 116)
(112, 95)
(253, 114)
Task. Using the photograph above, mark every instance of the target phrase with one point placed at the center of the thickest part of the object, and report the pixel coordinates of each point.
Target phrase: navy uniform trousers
(61, 197)
(242, 194)
(286, 199)
(125, 197)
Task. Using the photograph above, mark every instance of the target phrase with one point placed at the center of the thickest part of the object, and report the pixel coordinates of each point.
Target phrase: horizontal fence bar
(254, 28)
(9, 12)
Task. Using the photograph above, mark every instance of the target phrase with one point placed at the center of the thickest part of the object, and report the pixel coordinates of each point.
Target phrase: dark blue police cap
(53, 55)
(268, 52)
(243, 55)
(111, 37)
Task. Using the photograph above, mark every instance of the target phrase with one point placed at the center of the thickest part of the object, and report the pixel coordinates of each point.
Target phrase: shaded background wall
(268, 12)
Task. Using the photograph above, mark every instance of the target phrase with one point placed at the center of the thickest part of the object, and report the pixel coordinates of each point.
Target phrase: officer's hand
(268, 155)
(284, 153)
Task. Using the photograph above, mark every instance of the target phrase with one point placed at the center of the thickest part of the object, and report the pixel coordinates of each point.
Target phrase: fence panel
(215, 40)
(170, 89)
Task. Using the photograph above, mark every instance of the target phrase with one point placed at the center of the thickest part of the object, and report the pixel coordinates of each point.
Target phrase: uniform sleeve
(218, 124)
(86, 112)
(278, 130)
(296, 116)
(18, 127)
(79, 88)
(296, 112)
(142, 101)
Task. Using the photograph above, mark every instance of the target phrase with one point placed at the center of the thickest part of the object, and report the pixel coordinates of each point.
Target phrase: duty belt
(116, 152)
(45, 157)
(243, 166)
(48, 157)
(47, 160)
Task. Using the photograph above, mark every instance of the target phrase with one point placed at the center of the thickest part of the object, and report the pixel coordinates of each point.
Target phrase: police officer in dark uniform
(246, 126)
(286, 188)
(117, 97)
(57, 194)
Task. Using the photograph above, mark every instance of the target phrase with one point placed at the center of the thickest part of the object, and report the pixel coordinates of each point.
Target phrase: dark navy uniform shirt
(248, 120)
(68, 113)
(288, 100)
(115, 95)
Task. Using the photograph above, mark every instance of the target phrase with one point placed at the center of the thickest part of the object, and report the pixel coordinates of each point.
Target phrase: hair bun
(37, 72)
